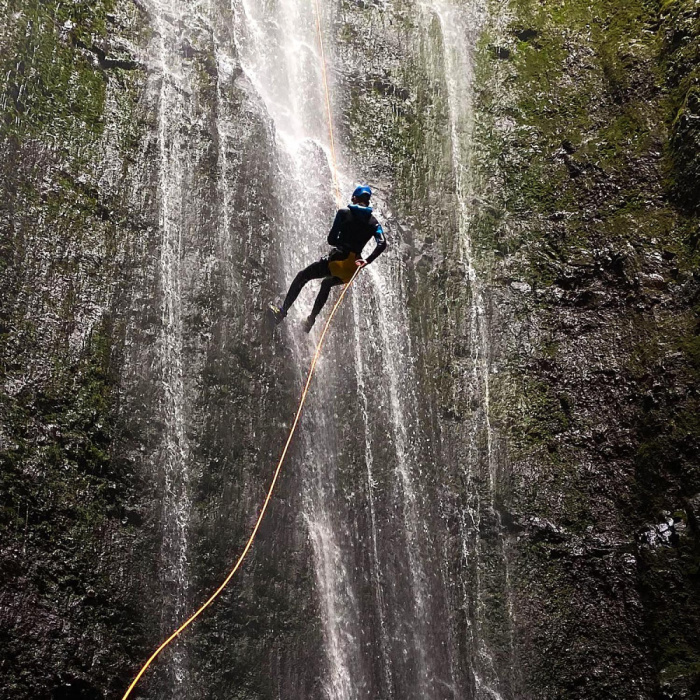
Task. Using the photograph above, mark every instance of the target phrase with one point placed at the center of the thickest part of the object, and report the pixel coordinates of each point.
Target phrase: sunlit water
(381, 581)
(171, 83)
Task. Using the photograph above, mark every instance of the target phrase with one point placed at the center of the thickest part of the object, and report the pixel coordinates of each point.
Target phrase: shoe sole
(276, 314)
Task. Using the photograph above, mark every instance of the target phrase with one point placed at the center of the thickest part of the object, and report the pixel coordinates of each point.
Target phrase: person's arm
(379, 239)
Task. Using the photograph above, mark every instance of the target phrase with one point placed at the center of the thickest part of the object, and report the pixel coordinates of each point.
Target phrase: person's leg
(323, 293)
(312, 272)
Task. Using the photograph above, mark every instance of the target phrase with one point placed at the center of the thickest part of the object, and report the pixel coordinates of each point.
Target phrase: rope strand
(312, 368)
(249, 544)
(329, 112)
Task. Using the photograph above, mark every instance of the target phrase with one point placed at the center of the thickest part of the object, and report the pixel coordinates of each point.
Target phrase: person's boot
(309, 324)
(277, 314)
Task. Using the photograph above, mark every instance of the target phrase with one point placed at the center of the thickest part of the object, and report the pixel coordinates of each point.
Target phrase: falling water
(282, 59)
(371, 487)
(387, 333)
(170, 79)
(459, 28)
(381, 584)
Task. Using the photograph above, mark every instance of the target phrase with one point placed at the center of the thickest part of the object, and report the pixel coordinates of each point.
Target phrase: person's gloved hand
(360, 262)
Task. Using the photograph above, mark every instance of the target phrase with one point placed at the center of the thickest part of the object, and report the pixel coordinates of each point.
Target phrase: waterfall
(495, 460)
(367, 475)
(459, 29)
(176, 502)
(172, 156)
(282, 60)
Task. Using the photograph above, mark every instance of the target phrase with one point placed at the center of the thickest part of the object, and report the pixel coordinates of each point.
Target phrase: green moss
(600, 151)
(680, 60)
(690, 345)
(50, 83)
(61, 486)
(542, 414)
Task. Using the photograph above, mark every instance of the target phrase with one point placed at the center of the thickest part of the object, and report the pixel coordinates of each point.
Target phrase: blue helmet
(362, 191)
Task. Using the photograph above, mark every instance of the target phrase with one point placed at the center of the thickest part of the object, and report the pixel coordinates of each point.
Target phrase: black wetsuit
(351, 231)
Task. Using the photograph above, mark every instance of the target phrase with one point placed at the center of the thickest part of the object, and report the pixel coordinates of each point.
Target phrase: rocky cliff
(589, 154)
(495, 493)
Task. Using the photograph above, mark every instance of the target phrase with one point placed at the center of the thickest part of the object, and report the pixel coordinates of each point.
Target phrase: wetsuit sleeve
(379, 239)
(334, 235)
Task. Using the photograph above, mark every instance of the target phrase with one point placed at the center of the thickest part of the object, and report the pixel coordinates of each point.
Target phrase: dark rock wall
(75, 551)
(88, 394)
(554, 403)
(588, 157)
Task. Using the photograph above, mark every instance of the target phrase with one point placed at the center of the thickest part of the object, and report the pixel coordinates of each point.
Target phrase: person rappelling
(351, 231)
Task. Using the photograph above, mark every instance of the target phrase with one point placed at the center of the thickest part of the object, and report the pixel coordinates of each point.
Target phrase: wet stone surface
(494, 493)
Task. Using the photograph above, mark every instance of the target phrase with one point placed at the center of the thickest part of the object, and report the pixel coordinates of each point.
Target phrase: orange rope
(328, 105)
(304, 393)
(249, 544)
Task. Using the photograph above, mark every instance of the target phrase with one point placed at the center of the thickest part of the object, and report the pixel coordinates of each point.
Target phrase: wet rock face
(522, 522)
(597, 384)
(68, 487)
(122, 301)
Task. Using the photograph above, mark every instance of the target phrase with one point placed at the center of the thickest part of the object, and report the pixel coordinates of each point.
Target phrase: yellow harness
(343, 269)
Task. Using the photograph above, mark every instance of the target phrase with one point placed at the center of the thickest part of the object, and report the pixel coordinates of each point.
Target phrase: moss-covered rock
(595, 242)
(71, 508)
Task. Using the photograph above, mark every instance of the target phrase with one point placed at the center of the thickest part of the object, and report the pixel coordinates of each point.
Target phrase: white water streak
(455, 27)
(362, 390)
(279, 57)
(398, 366)
(176, 502)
